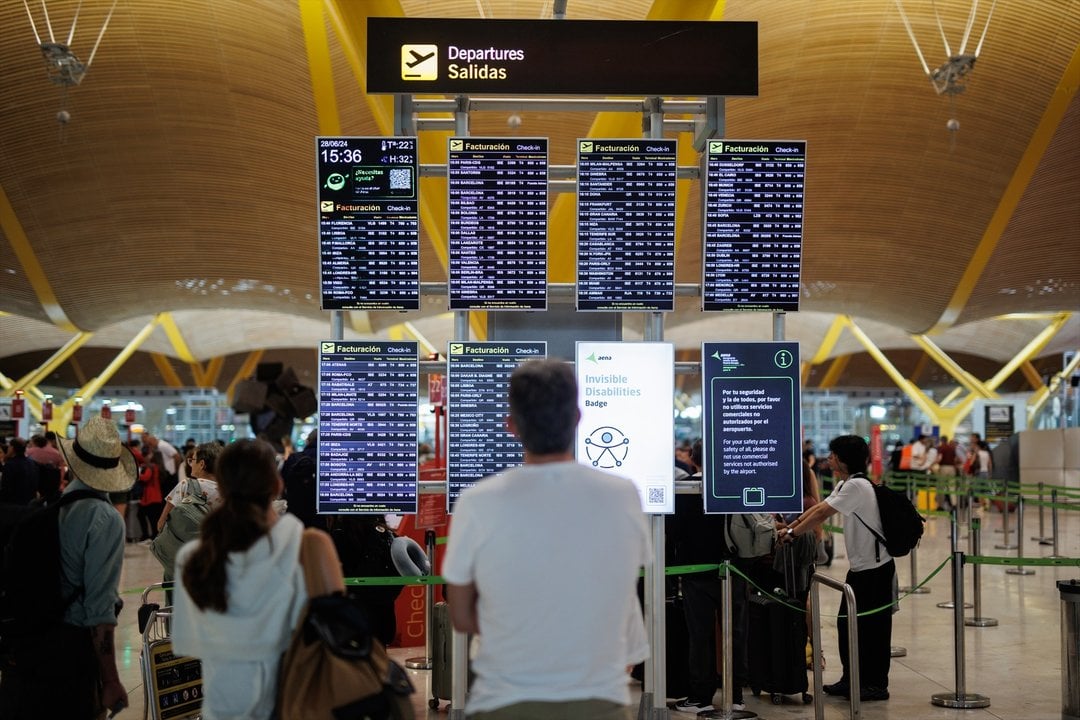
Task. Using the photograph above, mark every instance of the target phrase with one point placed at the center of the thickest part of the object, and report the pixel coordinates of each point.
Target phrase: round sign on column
(627, 425)
(751, 422)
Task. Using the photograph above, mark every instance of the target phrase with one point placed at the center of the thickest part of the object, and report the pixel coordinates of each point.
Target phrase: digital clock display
(369, 225)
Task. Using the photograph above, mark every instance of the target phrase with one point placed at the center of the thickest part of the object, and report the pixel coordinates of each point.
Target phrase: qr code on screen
(400, 179)
(655, 495)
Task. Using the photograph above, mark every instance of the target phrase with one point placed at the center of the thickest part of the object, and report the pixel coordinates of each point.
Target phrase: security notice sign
(625, 394)
(751, 426)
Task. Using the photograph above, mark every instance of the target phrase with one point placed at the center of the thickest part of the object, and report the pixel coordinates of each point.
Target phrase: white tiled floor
(1016, 664)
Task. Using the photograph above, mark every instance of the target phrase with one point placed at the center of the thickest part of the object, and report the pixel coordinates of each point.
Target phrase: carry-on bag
(777, 638)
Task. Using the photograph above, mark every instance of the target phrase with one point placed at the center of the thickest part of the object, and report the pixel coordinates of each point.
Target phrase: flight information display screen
(626, 224)
(368, 420)
(369, 229)
(478, 377)
(498, 223)
(753, 227)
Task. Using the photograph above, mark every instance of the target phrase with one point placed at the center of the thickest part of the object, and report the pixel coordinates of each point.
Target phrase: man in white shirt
(542, 563)
(871, 567)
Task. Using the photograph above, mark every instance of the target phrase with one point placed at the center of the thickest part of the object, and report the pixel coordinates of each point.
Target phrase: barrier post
(1006, 544)
(955, 547)
(727, 692)
(424, 663)
(1042, 539)
(959, 698)
(913, 589)
(1019, 569)
(976, 579)
(1054, 524)
(853, 644)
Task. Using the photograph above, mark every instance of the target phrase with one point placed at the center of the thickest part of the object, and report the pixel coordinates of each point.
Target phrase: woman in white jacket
(242, 586)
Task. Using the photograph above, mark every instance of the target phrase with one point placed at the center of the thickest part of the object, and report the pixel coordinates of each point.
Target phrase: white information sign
(627, 426)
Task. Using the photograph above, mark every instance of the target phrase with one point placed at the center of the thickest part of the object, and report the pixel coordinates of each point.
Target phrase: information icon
(607, 447)
(783, 359)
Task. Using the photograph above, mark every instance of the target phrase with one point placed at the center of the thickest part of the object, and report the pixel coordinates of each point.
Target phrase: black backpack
(31, 587)
(901, 523)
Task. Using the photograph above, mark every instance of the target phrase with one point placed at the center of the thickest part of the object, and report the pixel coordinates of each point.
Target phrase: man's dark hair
(544, 405)
(851, 450)
(697, 455)
(18, 445)
(38, 441)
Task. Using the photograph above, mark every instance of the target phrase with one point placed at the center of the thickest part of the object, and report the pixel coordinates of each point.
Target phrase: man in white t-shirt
(169, 454)
(542, 563)
(871, 567)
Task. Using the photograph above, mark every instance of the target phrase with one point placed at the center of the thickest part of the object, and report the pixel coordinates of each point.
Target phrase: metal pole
(727, 692)
(1042, 538)
(855, 701)
(960, 698)
(337, 324)
(976, 579)
(1019, 569)
(913, 589)
(1006, 544)
(658, 629)
(955, 546)
(424, 663)
(1054, 523)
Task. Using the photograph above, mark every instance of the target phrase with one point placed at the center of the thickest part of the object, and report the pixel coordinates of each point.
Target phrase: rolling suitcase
(442, 656)
(678, 651)
(777, 641)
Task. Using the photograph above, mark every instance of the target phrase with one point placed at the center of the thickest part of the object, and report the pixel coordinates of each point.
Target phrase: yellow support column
(952, 367)
(62, 414)
(166, 370)
(928, 406)
(835, 371)
(57, 359)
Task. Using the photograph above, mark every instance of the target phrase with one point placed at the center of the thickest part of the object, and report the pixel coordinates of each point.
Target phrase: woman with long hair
(241, 588)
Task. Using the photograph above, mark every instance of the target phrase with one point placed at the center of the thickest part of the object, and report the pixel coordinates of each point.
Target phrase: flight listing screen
(478, 376)
(498, 223)
(626, 225)
(369, 241)
(368, 419)
(753, 224)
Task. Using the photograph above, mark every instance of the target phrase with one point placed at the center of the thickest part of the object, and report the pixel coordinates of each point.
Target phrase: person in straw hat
(79, 678)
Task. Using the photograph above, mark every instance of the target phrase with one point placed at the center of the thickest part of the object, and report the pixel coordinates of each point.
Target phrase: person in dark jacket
(18, 484)
(697, 538)
(301, 490)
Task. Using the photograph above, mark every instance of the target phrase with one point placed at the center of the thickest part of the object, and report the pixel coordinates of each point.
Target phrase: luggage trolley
(172, 686)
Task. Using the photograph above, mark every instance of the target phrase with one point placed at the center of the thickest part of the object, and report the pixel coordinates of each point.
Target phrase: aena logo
(593, 357)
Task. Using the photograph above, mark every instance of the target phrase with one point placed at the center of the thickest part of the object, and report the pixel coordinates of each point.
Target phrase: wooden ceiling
(184, 179)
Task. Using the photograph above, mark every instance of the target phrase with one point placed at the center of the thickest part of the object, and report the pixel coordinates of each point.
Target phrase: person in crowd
(151, 502)
(363, 544)
(202, 468)
(871, 568)
(171, 457)
(298, 472)
(557, 632)
(241, 588)
(41, 452)
(48, 487)
(189, 444)
(18, 484)
(947, 471)
(684, 460)
(86, 683)
(982, 465)
(694, 539)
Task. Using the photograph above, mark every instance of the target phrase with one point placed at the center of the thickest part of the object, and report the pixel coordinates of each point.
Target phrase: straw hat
(99, 459)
